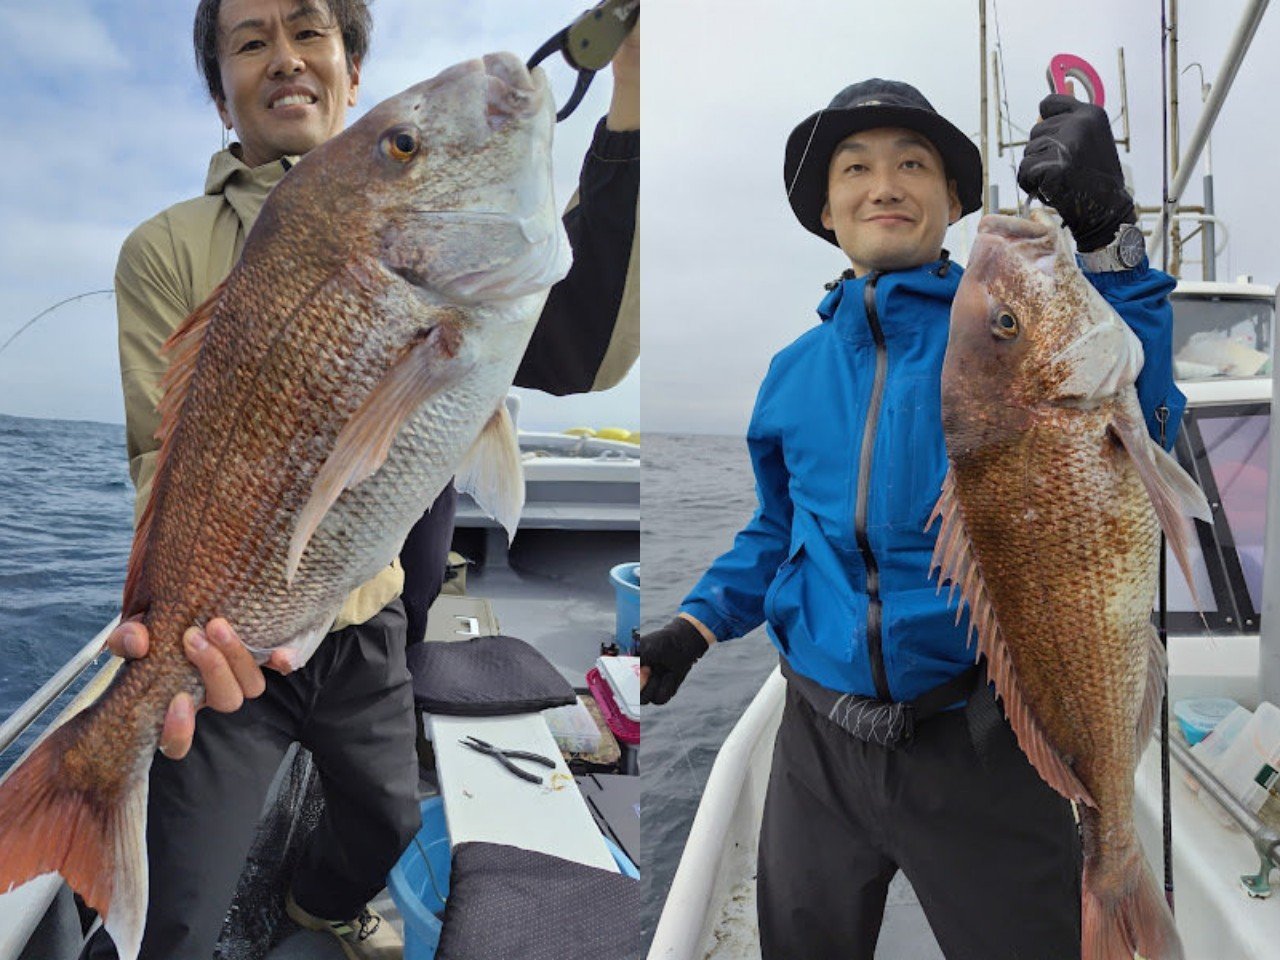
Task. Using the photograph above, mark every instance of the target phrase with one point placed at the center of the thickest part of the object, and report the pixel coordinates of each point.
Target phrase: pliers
(589, 43)
(505, 757)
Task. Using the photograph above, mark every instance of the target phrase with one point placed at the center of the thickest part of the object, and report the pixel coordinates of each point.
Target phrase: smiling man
(282, 75)
(892, 754)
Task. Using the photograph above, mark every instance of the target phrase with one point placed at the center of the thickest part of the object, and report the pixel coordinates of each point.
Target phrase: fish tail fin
(51, 819)
(1136, 921)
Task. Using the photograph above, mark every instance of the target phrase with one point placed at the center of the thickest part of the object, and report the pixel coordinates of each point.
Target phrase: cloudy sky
(729, 275)
(106, 122)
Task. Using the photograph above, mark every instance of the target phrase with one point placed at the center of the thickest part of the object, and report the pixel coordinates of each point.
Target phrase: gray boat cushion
(485, 677)
(505, 902)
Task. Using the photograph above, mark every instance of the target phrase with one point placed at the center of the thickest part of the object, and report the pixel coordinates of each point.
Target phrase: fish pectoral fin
(954, 558)
(1176, 497)
(491, 472)
(1099, 364)
(426, 368)
(294, 654)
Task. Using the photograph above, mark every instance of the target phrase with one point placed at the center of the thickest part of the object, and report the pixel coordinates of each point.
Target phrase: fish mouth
(1033, 242)
(513, 90)
(530, 226)
(1014, 228)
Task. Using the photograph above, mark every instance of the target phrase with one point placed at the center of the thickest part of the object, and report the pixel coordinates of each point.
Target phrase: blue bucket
(419, 882)
(626, 591)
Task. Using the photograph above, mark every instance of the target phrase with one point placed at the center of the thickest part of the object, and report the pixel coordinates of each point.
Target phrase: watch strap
(1109, 259)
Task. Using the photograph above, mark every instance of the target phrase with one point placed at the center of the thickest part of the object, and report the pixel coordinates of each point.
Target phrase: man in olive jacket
(282, 74)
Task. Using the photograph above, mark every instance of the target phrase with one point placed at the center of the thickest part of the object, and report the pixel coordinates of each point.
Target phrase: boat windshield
(1227, 449)
(1221, 336)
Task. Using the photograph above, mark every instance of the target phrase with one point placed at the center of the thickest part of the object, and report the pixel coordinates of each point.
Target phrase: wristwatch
(1123, 253)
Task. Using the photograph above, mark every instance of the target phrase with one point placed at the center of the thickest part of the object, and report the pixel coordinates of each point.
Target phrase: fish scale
(354, 360)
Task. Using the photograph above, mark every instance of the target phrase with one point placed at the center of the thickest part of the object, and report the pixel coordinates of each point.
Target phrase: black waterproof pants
(352, 706)
(992, 852)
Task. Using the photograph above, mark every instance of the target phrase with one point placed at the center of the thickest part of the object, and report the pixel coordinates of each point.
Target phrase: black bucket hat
(867, 106)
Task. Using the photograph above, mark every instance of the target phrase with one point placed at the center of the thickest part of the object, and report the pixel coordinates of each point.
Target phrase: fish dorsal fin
(1175, 496)
(954, 559)
(426, 367)
(182, 348)
(491, 472)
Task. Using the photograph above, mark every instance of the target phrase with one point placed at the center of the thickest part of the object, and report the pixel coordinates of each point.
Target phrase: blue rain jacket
(833, 594)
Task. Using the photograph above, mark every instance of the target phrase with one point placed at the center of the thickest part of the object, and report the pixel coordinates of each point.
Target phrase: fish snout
(513, 91)
(1014, 228)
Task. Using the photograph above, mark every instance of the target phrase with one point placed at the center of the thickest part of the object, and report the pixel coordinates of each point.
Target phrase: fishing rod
(589, 43)
(47, 310)
(1162, 416)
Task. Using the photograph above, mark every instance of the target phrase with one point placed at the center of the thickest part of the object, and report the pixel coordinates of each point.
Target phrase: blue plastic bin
(419, 882)
(626, 589)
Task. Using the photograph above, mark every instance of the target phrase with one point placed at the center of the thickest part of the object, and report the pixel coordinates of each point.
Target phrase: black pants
(425, 556)
(352, 706)
(992, 852)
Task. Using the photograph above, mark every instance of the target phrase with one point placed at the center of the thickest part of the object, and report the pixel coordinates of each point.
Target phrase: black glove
(1071, 164)
(669, 652)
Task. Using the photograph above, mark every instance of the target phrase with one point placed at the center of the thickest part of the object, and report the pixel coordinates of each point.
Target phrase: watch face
(1130, 245)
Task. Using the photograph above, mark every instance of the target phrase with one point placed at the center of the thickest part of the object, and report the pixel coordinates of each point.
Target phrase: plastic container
(1198, 717)
(622, 726)
(1250, 767)
(419, 882)
(626, 592)
(573, 728)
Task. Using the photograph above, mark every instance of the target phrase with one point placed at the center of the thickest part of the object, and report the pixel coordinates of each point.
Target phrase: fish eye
(1005, 325)
(400, 144)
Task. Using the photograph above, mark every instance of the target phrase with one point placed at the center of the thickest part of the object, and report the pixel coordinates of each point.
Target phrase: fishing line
(805, 153)
(1023, 208)
(48, 310)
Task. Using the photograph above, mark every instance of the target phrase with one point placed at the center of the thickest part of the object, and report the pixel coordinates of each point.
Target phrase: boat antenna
(48, 310)
(1162, 415)
(1008, 114)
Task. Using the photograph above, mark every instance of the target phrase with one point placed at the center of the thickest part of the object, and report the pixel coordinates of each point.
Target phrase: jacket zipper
(875, 649)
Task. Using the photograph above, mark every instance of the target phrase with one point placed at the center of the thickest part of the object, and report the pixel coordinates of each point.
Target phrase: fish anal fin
(1153, 693)
(426, 367)
(182, 348)
(491, 472)
(954, 558)
(95, 838)
(1174, 495)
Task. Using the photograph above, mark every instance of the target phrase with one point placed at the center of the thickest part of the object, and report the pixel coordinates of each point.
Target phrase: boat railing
(35, 705)
(1265, 839)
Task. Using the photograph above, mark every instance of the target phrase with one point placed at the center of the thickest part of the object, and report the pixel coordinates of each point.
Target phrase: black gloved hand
(669, 652)
(1071, 164)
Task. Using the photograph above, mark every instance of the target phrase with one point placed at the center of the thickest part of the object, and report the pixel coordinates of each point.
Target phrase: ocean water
(66, 522)
(696, 493)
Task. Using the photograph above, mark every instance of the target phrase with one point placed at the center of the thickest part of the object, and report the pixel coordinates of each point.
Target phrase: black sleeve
(577, 323)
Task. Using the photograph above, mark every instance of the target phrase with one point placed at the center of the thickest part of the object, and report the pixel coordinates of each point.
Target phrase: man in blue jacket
(876, 767)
